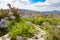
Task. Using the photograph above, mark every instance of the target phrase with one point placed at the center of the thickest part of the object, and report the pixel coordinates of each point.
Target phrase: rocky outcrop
(5, 37)
(40, 35)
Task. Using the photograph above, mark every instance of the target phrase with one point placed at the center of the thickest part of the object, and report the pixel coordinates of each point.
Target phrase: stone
(20, 38)
(36, 37)
(5, 37)
(45, 23)
(29, 39)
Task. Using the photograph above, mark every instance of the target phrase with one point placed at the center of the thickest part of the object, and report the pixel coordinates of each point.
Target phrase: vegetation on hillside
(11, 22)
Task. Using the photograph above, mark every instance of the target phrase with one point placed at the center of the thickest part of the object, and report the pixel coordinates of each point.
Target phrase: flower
(8, 4)
(29, 23)
(0, 24)
(6, 18)
(7, 23)
(4, 23)
(10, 13)
(20, 37)
(12, 17)
(3, 20)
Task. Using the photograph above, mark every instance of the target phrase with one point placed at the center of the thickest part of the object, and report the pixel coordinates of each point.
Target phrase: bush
(52, 32)
(53, 21)
(39, 20)
(23, 29)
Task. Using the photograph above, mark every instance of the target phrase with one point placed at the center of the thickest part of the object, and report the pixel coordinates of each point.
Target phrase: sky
(35, 1)
(36, 5)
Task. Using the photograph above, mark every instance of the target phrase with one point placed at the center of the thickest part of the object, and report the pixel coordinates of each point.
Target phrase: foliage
(39, 20)
(3, 31)
(18, 25)
(23, 29)
(53, 21)
(52, 32)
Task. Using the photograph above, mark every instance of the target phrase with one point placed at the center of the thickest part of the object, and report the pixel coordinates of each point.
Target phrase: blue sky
(35, 1)
(37, 5)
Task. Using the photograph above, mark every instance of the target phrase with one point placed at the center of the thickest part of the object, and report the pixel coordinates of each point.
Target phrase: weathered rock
(45, 23)
(40, 35)
(5, 37)
(29, 39)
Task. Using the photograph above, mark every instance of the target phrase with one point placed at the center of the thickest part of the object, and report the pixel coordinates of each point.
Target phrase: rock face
(5, 37)
(40, 35)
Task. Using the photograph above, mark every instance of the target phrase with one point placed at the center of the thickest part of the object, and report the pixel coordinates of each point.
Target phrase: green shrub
(53, 21)
(39, 20)
(23, 29)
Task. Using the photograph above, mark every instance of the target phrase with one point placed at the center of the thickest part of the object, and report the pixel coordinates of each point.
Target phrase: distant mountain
(27, 13)
(45, 12)
(55, 11)
(24, 10)
(39, 11)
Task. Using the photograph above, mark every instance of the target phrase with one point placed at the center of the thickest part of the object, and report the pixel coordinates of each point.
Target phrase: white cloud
(49, 5)
(4, 3)
(54, 1)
